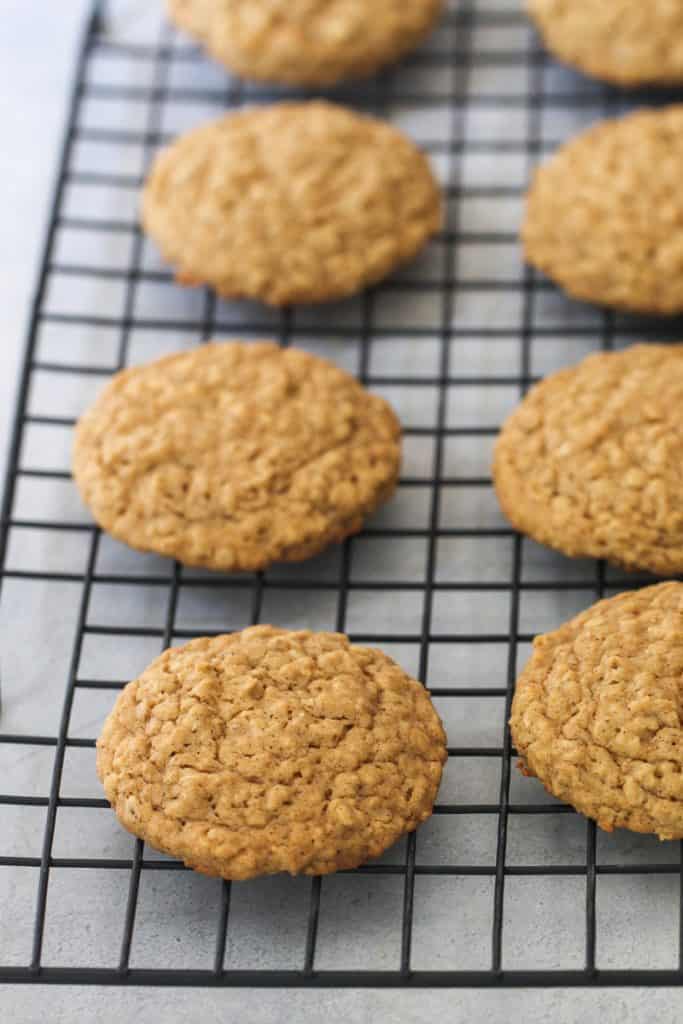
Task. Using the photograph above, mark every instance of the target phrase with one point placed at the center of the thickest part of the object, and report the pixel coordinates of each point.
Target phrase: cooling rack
(504, 886)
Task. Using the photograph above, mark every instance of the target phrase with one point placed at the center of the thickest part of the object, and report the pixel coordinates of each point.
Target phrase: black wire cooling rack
(503, 886)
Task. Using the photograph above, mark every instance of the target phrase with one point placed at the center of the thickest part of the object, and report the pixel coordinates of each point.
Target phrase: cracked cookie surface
(627, 42)
(590, 462)
(306, 42)
(291, 203)
(604, 215)
(235, 455)
(269, 750)
(598, 712)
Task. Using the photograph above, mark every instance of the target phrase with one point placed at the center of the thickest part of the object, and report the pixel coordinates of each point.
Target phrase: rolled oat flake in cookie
(269, 750)
(236, 455)
(604, 215)
(597, 713)
(306, 42)
(590, 462)
(292, 203)
(628, 42)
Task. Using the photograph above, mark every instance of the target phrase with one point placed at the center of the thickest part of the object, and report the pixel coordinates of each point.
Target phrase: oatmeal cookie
(626, 42)
(235, 455)
(598, 716)
(604, 215)
(291, 203)
(590, 462)
(306, 42)
(270, 750)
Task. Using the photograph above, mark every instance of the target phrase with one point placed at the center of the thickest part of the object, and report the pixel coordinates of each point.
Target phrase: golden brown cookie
(598, 716)
(604, 215)
(236, 455)
(298, 202)
(627, 42)
(306, 42)
(590, 462)
(270, 750)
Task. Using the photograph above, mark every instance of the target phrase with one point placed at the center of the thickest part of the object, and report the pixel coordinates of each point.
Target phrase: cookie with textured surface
(235, 455)
(627, 42)
(604, 214)
(292, 203)
(597, 712)
(269, 750)
(590, 462)
(306, 42)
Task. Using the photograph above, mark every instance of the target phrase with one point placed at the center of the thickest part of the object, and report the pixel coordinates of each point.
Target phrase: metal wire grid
(476, 573)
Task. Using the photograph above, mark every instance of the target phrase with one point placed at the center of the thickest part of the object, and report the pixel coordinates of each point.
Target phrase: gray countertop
(37, 45)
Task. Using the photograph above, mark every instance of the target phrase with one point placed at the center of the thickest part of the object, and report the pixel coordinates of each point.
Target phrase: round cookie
(597, 712)
(604, 214)
(627, 42)
(590, 462)
(306, 42)
(270, 750)
(235, 455)
(297, 202)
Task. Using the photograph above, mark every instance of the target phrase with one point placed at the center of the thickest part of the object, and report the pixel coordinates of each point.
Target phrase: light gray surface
(150, 1006)
(360, 923)
(37, 45)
